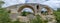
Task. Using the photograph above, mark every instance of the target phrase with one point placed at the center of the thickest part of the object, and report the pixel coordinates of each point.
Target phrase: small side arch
(49, 9)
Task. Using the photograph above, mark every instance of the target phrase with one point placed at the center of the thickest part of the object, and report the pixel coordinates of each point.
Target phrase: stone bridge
(16, 9)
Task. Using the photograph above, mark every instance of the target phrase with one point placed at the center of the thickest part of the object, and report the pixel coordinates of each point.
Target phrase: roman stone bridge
(16, 9)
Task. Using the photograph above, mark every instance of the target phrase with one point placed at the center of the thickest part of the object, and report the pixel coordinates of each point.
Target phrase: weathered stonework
(34, 6)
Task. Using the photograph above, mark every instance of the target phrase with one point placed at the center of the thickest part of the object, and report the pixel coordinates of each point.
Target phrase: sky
(54, 4)
(12, 2)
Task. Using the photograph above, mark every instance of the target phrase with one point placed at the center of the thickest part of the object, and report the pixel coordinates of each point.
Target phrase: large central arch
(26, 6)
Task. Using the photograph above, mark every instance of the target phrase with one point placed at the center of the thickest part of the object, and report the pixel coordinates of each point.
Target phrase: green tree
(24, 13)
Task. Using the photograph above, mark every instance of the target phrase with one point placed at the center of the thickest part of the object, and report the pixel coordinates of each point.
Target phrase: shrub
(4, 16)
(24, 13)
(57, 14)
(37, 20)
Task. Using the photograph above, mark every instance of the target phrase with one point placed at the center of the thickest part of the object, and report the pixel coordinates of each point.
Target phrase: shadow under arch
(26, 6)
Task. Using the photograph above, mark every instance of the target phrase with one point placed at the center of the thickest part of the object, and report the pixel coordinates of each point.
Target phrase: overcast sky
(12, 2)
(52, 3)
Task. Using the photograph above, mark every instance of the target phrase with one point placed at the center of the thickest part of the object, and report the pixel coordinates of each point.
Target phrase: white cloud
(52, 3)
(12, 2)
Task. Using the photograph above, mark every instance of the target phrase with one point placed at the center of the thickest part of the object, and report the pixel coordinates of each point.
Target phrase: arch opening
(44, 11)
(27, 11)
(47, 10)
(24, 7)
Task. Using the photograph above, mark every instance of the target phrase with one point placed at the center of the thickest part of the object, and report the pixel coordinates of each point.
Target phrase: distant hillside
(58, 9)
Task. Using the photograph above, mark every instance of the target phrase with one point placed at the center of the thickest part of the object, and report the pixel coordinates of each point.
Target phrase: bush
(38, 20)
(24, 13)
(4, 16)
(57, 14)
